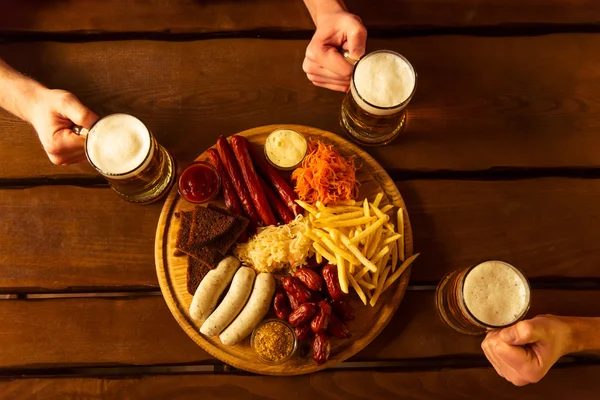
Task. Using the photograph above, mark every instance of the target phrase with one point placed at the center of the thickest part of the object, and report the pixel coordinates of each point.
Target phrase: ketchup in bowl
(199, 182)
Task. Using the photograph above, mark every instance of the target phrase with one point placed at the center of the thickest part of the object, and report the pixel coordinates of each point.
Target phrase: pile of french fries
(360, 238)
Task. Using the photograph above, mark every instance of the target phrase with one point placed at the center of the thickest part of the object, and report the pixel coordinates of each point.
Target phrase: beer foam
(383, 79)
(118, 144)
(495, 293)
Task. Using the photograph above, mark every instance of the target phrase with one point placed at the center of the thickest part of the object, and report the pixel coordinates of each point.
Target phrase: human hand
(53, 113)
(323, 64)
(523, 353)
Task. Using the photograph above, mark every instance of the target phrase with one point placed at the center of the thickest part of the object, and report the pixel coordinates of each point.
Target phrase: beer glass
(122, 149)
(489, 295)
(374, 109)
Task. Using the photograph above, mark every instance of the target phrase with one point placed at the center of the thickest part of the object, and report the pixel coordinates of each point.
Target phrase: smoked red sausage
(269, 172)
(240, 147)
(281, 209)
(232, 202)
(233, 170)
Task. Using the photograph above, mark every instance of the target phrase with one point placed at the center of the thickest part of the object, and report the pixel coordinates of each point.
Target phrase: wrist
(32, 94)
(18, 93)
(319, 9)
(584, 334)
(27, 95)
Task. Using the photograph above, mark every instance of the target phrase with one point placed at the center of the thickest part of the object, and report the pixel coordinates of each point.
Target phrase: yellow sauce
(285, 148)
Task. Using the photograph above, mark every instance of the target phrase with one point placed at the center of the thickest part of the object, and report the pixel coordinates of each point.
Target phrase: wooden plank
(478, 383)
(481, 102)
(138, 331)
(416, 331)
(97, 331)
(59, 236)
(185, 16)
(547, 227)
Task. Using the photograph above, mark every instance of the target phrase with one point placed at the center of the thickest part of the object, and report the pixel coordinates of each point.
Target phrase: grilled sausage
(210, 289)
(232, 303)
(284, 190)
(284, 213)
(233, 170)
(232, 201)
(253, 312)
(240, 148)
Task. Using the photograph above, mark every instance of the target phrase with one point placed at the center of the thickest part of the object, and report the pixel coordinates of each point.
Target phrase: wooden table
(499, 161)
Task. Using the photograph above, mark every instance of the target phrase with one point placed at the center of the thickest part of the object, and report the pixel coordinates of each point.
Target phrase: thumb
(356, 41)
(79, 114)
(522, 333)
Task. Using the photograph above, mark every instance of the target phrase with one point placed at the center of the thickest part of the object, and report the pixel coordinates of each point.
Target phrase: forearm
(17, 92)
(585, 334)
(320, 7)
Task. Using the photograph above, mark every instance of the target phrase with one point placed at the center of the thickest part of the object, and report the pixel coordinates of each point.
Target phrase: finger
(522, 333)
(328, 75)
(492, 333)
(326, 79)
(515, 360)
(329, 58)
(66, 159)
(516, 356)
(69, 159)
(519, 382)
(357, 41)
(337, 88)
(312, 67)
(65, 148)
(74, 110)
(67, 142)
(491, 356)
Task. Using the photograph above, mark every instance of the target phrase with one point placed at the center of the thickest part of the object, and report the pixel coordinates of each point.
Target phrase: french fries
(400, 225)
(361, 239)
(358, 290)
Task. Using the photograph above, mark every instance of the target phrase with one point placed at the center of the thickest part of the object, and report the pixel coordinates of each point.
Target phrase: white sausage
(231, 305)
(211, 287)
(253, 312)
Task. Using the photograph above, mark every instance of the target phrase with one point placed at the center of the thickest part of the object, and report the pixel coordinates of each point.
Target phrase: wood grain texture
(185, 16)
(561, 383)
(172, 271)
(138, 331)
(547, 227)
(482, 102)
(141, 331)
(416, 331)
(61, 236)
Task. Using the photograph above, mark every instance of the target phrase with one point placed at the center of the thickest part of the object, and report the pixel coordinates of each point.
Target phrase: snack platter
(369, 320)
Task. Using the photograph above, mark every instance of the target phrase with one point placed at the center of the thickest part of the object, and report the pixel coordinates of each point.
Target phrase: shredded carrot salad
(325, 176)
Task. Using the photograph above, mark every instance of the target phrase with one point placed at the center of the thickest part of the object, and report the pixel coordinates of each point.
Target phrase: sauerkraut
(277, 247)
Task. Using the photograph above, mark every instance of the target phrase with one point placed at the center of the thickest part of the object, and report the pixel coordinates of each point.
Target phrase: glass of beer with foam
(374, 109)
(489, 295)
(124, 151)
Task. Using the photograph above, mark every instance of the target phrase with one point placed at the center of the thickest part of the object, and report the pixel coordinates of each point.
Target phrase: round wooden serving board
(369, 321)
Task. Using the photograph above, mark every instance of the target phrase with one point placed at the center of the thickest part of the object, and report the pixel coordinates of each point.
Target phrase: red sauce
(199, 183)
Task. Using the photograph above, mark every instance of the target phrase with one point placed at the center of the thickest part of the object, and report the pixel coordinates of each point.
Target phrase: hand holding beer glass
(122, 149)
(489, 295)
(524, 352)
(374, 109)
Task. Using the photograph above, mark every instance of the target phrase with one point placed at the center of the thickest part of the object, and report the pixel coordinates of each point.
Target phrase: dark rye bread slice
(208, 256)
(224, 243)
(208, 225)
(195, 273)
(185, 226)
